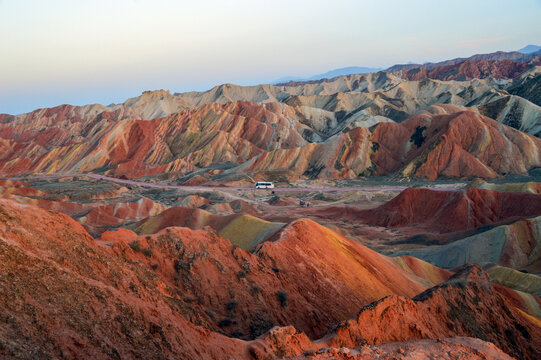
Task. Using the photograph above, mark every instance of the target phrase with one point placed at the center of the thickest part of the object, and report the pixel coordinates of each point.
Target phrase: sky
(79, 52)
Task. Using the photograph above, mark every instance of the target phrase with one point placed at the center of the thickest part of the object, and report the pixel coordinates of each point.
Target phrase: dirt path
(222, 188)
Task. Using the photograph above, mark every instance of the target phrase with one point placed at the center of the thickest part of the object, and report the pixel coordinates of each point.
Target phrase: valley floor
(251, 273)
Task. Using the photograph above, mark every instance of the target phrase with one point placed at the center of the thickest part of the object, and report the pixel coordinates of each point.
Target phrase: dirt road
(222, 188)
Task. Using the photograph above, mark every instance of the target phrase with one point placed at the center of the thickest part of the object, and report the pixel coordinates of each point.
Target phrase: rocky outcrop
(459, 348)
(446, 211)
(465, 305)
(460, 144)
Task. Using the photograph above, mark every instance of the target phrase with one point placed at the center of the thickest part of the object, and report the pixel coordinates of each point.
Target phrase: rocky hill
(66, 295)
(332, 128)
(245, 137)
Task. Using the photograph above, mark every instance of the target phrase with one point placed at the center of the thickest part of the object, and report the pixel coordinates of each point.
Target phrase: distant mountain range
(517, 56)
(523, 55)
(349, 126)
(530, 49)
(330, 74)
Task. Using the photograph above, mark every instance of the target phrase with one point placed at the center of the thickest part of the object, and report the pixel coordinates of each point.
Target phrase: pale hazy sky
(103, 51)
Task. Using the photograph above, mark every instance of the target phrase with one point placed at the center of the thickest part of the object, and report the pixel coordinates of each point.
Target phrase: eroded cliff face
(445, 141)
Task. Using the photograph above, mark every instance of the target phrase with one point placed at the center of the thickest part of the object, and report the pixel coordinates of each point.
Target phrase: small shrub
(155, 266)
(134, 288)
(256, 290)
(181, 265)
(246, 265)
(147, 252)
(231, 306)
(135, 245)
(276, 270)
(260, 324)
(241, 274)
(210, 314)
(237, 334)
(282, 298)
(417, 138)
(225, 322)
(155, 329)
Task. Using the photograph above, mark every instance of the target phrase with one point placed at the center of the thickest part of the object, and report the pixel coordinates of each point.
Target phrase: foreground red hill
(67, 296)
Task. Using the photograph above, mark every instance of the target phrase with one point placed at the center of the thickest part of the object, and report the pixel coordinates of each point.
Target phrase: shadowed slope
(466, 305)
(309, 276)
(517, 245)
(64, 296)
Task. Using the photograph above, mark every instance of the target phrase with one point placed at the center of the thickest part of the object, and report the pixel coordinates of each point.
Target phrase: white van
(264, 185)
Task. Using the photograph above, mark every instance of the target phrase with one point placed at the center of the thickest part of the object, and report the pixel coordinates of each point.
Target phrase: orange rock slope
(66, 295)
(466, 305)
(63, 296)
(244, 294)
(453, 144)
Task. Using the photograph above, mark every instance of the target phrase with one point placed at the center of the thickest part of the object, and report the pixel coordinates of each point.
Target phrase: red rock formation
(210, 134)
(248, 293)
(458, 348)
(64, 295)
(8, 188)
(465, 305)
(446, 211)
(265, 139)
(118, 235)
(459, 144)
(103, 217)
(499, 65)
